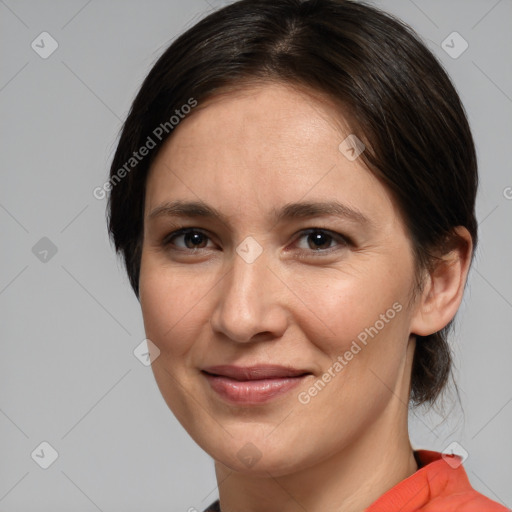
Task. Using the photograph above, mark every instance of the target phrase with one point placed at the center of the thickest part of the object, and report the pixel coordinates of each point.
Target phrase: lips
(252, 384)
(254, 372)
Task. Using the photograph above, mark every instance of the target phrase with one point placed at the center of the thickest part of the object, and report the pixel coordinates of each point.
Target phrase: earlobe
(444, 286)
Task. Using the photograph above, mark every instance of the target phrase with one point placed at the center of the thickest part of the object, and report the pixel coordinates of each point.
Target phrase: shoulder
(469, 501)
(439, 485)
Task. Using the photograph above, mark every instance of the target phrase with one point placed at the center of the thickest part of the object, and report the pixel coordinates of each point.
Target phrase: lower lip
(252, 391)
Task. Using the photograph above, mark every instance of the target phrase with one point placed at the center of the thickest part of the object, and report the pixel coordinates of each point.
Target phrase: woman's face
(275, 282)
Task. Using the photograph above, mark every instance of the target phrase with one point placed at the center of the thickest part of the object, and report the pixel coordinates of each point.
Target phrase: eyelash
(343, 241)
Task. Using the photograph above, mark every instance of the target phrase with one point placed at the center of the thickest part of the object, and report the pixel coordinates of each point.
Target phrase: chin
(262, 458)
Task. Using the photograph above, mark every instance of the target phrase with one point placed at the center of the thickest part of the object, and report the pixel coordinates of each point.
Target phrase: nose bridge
(247, 303)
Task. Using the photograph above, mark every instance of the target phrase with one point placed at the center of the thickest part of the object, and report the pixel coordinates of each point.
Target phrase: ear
(444, 286)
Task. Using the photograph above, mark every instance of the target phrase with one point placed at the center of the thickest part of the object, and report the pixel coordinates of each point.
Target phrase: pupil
(195, 238)
(317, 237)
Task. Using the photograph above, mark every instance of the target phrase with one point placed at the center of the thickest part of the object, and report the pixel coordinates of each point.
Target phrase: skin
(296, 305)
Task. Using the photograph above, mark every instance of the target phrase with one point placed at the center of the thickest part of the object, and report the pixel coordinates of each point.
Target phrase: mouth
(253, 384)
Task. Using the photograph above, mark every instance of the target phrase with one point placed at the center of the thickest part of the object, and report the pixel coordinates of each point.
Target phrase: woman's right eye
(192, 239)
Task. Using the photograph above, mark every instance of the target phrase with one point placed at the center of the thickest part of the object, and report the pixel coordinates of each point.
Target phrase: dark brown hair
(397, 98)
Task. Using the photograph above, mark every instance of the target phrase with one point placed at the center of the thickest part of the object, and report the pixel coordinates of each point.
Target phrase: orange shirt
(438, 485)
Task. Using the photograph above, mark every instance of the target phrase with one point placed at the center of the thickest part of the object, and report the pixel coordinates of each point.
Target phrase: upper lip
(258, 372)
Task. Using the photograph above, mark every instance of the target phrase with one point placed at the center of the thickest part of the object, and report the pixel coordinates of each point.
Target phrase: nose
(250, 302)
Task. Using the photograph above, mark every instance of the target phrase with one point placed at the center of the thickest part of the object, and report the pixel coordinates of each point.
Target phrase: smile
(252, 385)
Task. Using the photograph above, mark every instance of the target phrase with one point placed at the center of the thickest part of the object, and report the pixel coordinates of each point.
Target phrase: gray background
(69, 324)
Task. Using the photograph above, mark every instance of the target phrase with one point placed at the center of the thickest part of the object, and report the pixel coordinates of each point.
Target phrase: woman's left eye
(320, 240)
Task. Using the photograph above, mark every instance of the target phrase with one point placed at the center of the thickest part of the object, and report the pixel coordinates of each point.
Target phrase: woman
(293, 195)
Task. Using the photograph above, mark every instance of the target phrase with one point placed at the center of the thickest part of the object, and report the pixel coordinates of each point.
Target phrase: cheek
(173, 306)
(341, 308)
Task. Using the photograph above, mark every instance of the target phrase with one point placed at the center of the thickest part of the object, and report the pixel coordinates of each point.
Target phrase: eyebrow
(289, 211)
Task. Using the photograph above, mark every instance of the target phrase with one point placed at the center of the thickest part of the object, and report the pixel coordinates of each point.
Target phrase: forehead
(277, 114)
(263, 146)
